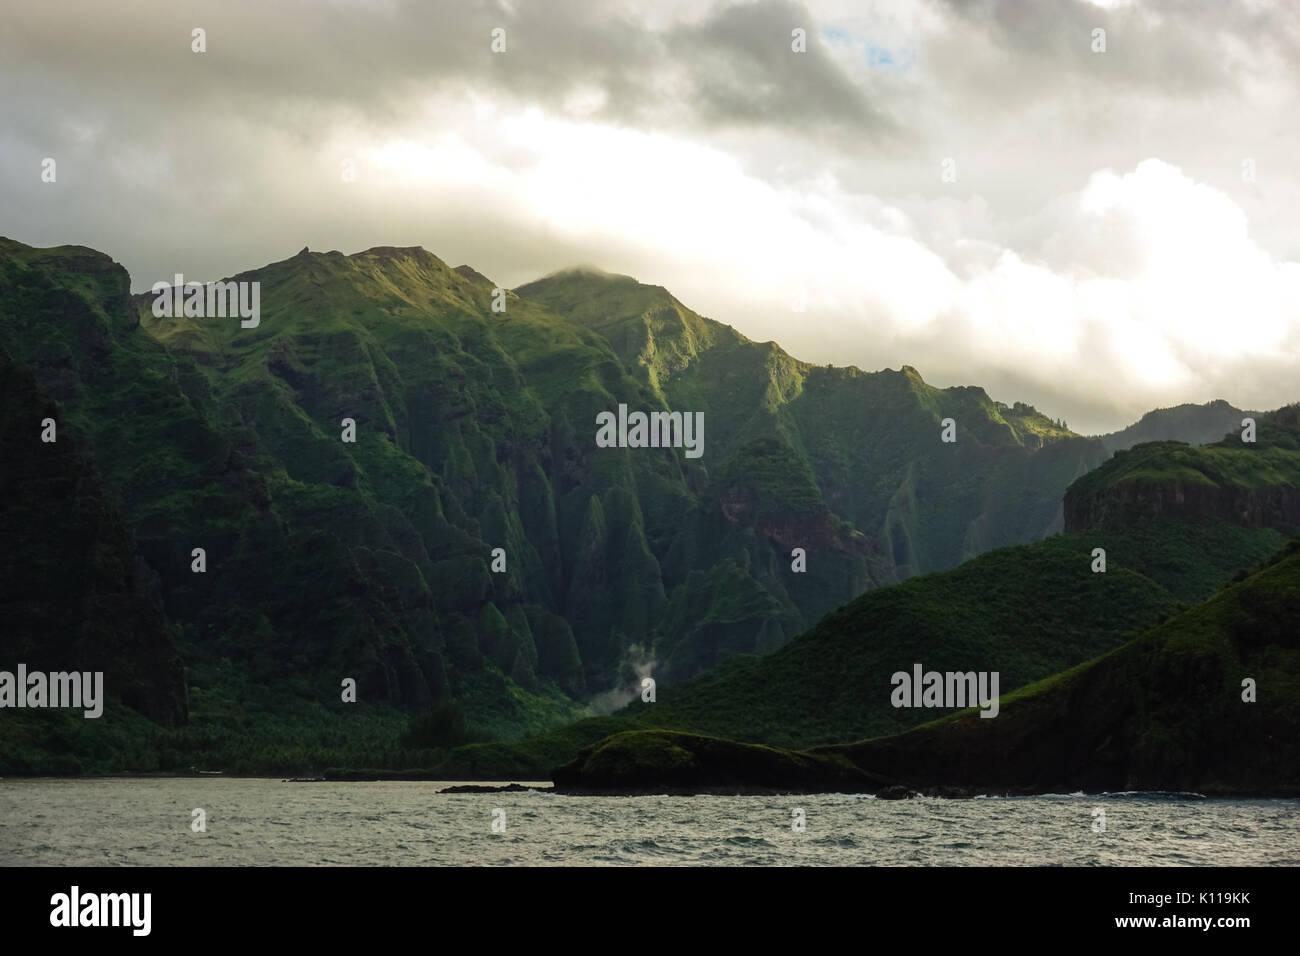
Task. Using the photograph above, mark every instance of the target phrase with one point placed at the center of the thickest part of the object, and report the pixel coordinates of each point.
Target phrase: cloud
(744, 70)
(1141, 288)
(1157, 48)
(1101, 250)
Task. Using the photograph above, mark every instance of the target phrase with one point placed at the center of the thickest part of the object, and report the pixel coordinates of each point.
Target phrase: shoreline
(460, 785)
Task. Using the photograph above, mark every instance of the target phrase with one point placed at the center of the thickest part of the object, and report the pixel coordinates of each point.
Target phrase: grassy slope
(1163, 712)
(1215, 465)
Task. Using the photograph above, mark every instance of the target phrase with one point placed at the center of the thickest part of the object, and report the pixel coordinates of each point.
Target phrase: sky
(994, 192)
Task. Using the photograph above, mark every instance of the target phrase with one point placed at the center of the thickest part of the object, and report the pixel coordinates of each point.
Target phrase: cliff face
(1142, 501)
(74, 593)
(1251, 484)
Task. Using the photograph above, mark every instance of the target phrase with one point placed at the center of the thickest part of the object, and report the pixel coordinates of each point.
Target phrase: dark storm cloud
(148, 134)
(744, 70)
(133, 61)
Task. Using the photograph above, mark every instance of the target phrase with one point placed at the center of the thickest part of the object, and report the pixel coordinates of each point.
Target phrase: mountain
(1252, 484)
(1164, 712)
(1208, 702)
(324, 559)
(475, 557)
(1027, 612)
(866, 447)
(1176, 523)
(1188, 423)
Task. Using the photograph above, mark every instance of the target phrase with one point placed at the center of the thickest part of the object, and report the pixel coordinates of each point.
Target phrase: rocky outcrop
(655, 761)
(1249, 484)
(1141, 501)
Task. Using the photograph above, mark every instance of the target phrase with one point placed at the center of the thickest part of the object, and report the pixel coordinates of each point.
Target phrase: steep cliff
(75, 594)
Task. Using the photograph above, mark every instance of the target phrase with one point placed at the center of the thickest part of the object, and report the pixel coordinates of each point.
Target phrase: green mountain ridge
(474, 430)
(1201, 424)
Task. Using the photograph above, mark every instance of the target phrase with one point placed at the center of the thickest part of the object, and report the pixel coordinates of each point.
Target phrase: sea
(265, 822)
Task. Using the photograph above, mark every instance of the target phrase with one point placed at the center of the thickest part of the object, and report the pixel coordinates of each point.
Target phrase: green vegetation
(1193, 424)
(1217, 465)
(1253, 484)
(1166, 711)
(327, 560)
(370, 560)
(1026, 611)
(1163, 712)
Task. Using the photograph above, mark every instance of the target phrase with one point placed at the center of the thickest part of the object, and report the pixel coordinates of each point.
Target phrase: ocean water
(116, 822)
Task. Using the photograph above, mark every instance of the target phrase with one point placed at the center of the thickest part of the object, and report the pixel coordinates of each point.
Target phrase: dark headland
(1169, 711)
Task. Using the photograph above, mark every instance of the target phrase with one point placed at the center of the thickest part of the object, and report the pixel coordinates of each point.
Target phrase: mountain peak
(398, 252)
(586, 269)
(583, 276)
(469, 272)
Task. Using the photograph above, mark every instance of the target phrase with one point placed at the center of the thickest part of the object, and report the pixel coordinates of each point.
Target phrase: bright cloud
(1102, 251)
